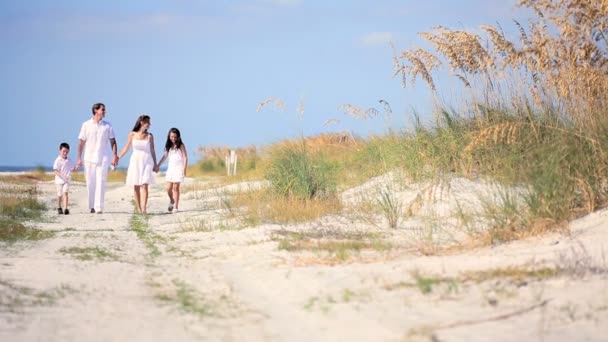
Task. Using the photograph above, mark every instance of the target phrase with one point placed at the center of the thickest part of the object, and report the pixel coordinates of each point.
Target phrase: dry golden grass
(504, 133)
(334, 246)
(220, 152)
(561, 58)
(512, 273)
(262, 206)
(513, 232)
(113, 176)
(213, 160)
(77, 176)
(19, 201)
(18, 189)
(324, 142)
(26, 178)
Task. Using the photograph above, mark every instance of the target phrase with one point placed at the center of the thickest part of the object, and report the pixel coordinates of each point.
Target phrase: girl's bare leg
(144, 198)
(170, 193)
(176, 194)
(137, 198)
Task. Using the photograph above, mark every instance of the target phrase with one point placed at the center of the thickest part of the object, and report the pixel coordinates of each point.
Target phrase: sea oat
(278, 103)
(330, 122)
(357, 112)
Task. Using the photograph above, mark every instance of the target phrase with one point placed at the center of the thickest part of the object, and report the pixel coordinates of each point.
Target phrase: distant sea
(24, 168)
(50, 168)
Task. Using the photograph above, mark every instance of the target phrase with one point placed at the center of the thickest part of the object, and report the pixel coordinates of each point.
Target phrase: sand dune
(118, 276)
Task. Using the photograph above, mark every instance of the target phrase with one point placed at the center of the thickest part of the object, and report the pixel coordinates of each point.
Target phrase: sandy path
(106, 299)
(164, 282)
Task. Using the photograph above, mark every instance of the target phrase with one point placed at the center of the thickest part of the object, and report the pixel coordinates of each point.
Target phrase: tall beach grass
(535, 118)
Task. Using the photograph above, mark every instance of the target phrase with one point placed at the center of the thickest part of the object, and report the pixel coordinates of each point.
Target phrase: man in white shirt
(96, 138)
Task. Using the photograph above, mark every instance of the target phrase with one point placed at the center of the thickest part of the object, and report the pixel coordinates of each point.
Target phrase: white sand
(172, 283)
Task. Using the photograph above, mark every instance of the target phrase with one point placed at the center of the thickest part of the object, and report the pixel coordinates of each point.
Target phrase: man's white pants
(96, 175)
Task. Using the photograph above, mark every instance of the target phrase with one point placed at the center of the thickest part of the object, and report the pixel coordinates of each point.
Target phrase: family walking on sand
(98, 142)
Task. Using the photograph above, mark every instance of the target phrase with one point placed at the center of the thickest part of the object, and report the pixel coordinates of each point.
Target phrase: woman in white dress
(177, 164)
(142, 163)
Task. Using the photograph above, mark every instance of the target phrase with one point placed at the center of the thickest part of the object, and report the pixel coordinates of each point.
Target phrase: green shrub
(212, 165)
(295, 173)
(27, 207)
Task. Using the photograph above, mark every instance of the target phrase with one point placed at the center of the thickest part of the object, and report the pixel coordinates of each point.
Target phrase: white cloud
(376, 39)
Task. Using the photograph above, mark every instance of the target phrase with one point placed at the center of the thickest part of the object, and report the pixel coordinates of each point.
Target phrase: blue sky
(203, 66)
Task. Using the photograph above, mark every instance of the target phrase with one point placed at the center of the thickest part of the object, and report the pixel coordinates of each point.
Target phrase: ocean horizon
(25, 168)
(49, 168)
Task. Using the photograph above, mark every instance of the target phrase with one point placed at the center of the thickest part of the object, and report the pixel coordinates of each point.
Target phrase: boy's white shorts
(62, 189)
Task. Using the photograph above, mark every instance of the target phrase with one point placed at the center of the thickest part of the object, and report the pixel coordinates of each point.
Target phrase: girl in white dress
(177, 163)
(142, 163)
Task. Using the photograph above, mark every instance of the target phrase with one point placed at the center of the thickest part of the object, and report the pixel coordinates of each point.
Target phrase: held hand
(78, 164)
(115, 161)
(156, 168)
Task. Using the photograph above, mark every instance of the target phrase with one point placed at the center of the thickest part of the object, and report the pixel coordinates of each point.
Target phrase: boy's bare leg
(65, 199)
(137, 200)
(144, 197)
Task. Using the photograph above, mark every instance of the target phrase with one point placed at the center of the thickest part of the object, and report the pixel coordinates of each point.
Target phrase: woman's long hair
(178, 141)
(140, 121)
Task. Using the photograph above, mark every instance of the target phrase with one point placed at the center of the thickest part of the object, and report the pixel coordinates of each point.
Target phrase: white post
(235, 160)
(231, 163)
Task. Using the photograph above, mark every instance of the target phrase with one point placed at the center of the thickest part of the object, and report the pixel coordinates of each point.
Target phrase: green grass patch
(514, 274)
(13, 231)
(189, 300)
(139, 224)
(22, 207)
(15, 298)
(89, 253)
(341, 245)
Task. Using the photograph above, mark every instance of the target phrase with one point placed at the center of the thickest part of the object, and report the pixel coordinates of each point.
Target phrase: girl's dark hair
(140, 120)
(97, 106)
(178, 141)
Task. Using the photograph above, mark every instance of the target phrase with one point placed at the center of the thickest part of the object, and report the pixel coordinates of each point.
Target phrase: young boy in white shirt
(63, 168)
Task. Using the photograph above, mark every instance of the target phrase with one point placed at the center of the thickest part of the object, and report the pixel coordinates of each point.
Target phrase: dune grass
(533, 117)
(296, 173)
(536, 115)
(13, 231)
(19, 204)
(90, 253)
(561, 170)
(264, 206)
(336, 244)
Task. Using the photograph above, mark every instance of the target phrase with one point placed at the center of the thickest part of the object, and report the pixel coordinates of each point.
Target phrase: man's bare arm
(114, 151)
(80, 148)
